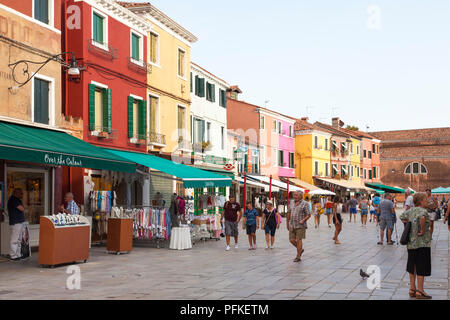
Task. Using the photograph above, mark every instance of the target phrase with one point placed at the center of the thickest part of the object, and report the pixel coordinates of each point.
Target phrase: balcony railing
(102, 50)
(156, 138)
(139, 66)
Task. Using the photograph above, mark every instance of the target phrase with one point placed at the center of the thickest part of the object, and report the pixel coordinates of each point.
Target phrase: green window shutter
(135, 54)
(41, 10)
(107, 111)
(130, 117)
(213, 93)
(208, 91)
(41, 101)
(202, 88)
(197, 86)
(224, 98)
(143, 119)
(98, 28)
(191, 81)
(91, 107)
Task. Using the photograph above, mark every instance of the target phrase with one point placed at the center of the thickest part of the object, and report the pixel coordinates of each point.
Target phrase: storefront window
(34, 185)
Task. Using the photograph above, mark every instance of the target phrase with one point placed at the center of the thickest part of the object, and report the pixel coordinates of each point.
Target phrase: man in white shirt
(409, 203)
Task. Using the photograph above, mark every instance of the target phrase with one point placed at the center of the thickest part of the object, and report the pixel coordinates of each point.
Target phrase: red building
(110, 42)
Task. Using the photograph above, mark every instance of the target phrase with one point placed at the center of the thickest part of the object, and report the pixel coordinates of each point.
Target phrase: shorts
(364, 212)
(251, 229)
(297, 234)
(329, 211)
(353, 211)
(271, 229)
(432, 216)
(372, 212)
(386, 223)
(420, 260)
(231, 229)
(339, 218)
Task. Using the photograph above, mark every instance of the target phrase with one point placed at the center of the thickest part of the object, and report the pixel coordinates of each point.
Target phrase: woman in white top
(337, 219)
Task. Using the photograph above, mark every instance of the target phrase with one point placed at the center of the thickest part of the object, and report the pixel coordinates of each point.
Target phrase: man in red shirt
(233, 213)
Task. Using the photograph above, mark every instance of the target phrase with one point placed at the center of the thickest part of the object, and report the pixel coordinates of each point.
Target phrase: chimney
(337, 123)
(305, 119)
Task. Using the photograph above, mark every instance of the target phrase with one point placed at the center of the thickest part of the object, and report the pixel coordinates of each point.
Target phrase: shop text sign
(62, 160)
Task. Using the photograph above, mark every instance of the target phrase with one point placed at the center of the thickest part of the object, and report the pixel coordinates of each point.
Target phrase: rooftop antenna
(265, 103)
(367, 127)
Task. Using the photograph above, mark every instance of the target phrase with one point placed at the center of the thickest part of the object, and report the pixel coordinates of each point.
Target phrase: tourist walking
(297, 218)
(251, 224)
(409, 200)
(316, 213)
(270, 223)
(16, 222)
(329, 211)
(372, 211)
(446, 219)
(387, 219)
(376, 204)
(353, 208)
(232, 212)
(364, 207)
(419, 246)
(337, 218)
(431, 208)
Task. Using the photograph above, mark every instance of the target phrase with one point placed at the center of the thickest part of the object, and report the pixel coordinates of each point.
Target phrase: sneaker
(267, 247)
(236, 246)
(329, 226)
(228, 248)
(16, 259)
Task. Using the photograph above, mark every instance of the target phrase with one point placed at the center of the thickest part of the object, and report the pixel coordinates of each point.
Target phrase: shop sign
(62, 160)
(229, 167)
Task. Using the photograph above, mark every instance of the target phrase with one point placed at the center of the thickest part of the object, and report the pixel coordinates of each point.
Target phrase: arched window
(416, 168)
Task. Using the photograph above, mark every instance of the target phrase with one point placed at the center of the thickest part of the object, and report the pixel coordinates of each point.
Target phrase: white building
(208, 117)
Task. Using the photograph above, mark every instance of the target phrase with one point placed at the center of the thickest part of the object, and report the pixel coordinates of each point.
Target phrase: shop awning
(313, 190)
(218, 171)
(378, 191)
(252, 183)
(192, 177)
(351, 185)
(384, 188)
(440, 190)
(32, 144)
(277, 183)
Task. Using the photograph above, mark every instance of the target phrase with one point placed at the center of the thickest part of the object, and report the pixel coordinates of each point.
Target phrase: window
(137, 118)
(154, 48)
(316, 168)
(357, 149)
(370, 154)
(210, 92)
(365, 153)
(41, 11)
(41, 101)
(279, 128)
(374, 171)
(370, 174)
(351, 148)
(262, 123)
(263, 155)
(291, 160)
(197, 131)
(100, 109)
(136, 47)
(222, 140)
(365, 173)
(316, 142)
(280, 158)
(274, 126)
(343, 147)
(327, 169)
(335, 169)
(274, 157)
(181, 63)
(373, 148)
(423, 169)
(416, 168)
(326, 146)
(99, 29)
(208, 132)
(352, 172)
(181, 123)
(290, 131)
(378, 150)
(153, 114)
(222, 98)
(357, 172)
(199, 87)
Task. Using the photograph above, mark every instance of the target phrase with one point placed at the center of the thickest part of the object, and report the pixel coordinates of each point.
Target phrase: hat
(269, 202)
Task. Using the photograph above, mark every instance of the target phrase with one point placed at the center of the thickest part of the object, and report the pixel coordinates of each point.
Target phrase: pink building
(277, 144)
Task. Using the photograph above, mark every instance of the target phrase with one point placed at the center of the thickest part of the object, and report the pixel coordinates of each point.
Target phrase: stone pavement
(208, 272)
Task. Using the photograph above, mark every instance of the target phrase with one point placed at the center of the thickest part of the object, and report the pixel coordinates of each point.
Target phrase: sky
(379, 65)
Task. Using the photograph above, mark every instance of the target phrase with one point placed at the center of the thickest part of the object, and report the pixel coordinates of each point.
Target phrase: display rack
(62, 244)
(120, 235)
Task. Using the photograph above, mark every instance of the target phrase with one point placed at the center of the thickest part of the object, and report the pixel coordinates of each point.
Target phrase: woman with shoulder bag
(419, 246)
(271, 222)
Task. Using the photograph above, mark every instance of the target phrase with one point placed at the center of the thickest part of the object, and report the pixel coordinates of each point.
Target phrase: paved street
(208, 272)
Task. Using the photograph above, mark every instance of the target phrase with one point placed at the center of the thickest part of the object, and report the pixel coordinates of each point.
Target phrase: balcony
(104, 51)
(139, 66)
(101, 133)
(156, 139)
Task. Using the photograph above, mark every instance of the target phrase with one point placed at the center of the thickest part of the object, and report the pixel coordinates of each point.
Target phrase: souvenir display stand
(66, 242)
(181, 238)
(120, 235)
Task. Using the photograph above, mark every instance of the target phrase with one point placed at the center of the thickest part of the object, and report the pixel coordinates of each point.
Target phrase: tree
(353, 128)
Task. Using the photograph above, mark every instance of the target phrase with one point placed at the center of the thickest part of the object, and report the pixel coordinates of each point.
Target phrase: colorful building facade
(312, 151)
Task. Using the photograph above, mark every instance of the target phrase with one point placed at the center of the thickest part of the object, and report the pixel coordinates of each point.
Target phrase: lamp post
(73, 69)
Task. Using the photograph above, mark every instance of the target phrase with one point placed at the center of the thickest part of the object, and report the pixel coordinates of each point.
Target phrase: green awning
(31, 144)
(379, 191)
(440, 190)
(192, 177)
(384, 188)
(221, 172)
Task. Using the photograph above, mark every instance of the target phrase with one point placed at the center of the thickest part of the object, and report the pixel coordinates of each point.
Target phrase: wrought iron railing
(139, 66)
(154, 137)
(102, 49)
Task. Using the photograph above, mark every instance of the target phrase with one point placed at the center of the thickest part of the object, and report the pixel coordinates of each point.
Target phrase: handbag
(404, 240)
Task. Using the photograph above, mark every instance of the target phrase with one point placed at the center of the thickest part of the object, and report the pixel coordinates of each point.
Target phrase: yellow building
(355, 159)
(312, 151)
(169, 54)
